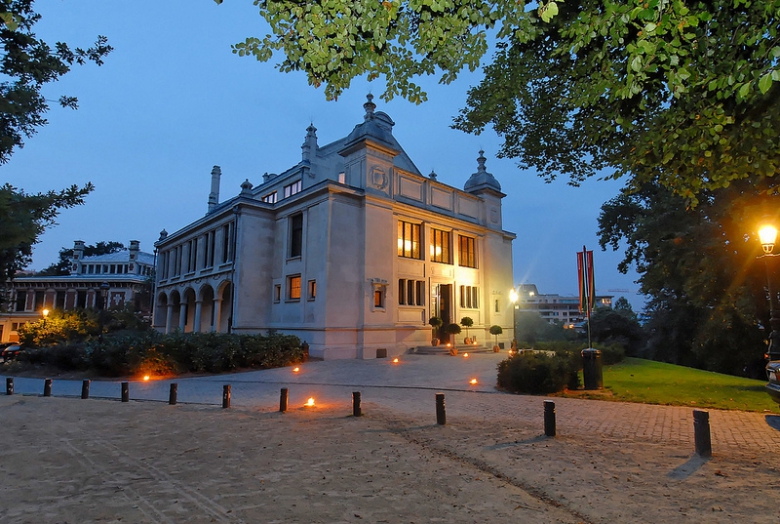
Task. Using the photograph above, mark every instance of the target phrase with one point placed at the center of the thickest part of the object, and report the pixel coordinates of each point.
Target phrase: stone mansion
(352, 250)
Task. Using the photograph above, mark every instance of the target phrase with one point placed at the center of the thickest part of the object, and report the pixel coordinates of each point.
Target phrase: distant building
(556, 308)
(351, 249)
(126, 273)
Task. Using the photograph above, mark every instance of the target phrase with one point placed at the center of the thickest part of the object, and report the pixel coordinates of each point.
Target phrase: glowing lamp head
(513, 296)
(310, 402)
(767, 235)
(45, 313)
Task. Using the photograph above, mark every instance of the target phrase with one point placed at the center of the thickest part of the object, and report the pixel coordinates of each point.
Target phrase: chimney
(216, 172)
(135, 246)
(309, 144)
(78, 254)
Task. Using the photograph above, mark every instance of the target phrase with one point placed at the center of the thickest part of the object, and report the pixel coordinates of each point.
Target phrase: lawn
(649, 382)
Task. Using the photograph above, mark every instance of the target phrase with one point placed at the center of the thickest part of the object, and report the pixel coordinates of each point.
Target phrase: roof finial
(369, 107)
(481, 161)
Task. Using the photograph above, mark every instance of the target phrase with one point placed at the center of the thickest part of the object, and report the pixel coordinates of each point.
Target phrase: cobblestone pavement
(409, 386)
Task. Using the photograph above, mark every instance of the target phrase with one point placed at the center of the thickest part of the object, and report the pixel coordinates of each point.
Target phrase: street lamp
(767, 234)
(104, 287)
(513, 299)
(45, 314)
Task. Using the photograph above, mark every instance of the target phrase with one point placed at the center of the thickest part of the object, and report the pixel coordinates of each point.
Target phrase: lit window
(440, 246)
(342, 178)
(408, 240)
(467, 254)
(294, 287)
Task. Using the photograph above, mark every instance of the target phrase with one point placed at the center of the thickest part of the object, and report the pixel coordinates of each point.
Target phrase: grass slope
(649, 382)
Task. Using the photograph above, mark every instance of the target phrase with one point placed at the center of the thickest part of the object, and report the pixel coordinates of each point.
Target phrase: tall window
(227, 243)
(296, 235)
(440, 246)
(270, 198)
(408, 240)
(411, 292)
(469, 298)
(292, 189)
(312, 289)
(294, 287)
(467, 253)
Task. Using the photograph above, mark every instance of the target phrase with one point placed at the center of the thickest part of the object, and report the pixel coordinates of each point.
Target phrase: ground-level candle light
(473, 381)
(296, 370)
(395, 360)
(146, 378)
(465, 355)
(310, 402)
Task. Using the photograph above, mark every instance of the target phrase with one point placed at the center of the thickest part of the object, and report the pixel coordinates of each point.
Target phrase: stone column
(182, 316)
(196, 323)
(169, 318)
(217, 314)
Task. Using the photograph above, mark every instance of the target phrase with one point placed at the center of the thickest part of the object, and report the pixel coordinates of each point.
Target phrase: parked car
(773, 374)
(10, 352)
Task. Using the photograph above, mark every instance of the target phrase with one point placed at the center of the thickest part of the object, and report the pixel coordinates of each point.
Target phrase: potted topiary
(452, 330)
(467, 322)
(435, 323)
(496, 330)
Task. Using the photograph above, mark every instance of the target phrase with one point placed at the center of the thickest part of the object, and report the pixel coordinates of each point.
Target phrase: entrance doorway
(442, 302)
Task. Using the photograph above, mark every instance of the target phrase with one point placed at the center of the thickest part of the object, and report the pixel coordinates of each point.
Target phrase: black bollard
(85, 388)
(441, 415)
(356, 411)
(701, 433)
(47, 387)
(174, 394)
(549, 418)
(9, 386)
(226, 396)
(283, 397)
(125, 392)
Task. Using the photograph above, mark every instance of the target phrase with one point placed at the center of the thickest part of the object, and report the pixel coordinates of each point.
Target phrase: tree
(27, 64)
(698, 266)
(63, 266)
(24, 217)
(613, 326)
(623, 307)
(682, 93)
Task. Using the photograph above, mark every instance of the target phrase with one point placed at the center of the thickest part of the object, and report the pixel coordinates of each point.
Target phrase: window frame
(291, 287)
(442, 240)
(414, 240)
(467, 251)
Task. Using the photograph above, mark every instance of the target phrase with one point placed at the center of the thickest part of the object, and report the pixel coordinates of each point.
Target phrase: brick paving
(408, 388)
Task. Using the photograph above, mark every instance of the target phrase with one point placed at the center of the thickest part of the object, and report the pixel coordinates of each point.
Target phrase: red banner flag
(585, 278)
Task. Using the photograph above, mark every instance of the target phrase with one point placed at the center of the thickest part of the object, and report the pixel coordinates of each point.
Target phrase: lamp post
(104, 287)
(513, 300)
(45, 314)
(767, 234)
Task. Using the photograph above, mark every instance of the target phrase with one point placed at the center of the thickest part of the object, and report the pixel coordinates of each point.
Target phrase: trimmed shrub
(535, 373)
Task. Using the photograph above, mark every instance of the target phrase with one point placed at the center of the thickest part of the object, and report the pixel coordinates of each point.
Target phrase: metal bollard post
(283, 397)
(441, 415)
(549, 418)
(85, 388)
(9, 386)
(174, 394)
(701, 433)
(47, 387)
(356, 411)
(125, 392)
(226, 396)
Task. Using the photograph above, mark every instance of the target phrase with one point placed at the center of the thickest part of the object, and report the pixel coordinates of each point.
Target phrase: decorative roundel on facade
(379, 178)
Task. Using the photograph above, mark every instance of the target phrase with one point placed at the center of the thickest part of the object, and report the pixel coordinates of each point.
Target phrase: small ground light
(146, 377)
(465, 355)
(296, 370)
(395, 360)
(310, 402)
(473, 381)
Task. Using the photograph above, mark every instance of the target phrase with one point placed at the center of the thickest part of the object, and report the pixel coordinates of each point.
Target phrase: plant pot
(454, 352)
(467, 341)
(434, 342)
(496, 349)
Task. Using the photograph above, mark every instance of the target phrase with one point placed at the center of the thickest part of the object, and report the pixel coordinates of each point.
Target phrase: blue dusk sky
(172, 101)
